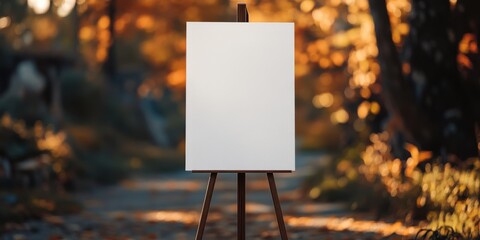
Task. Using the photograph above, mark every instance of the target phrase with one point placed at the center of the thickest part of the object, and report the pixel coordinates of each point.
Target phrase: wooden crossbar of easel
(242, 16)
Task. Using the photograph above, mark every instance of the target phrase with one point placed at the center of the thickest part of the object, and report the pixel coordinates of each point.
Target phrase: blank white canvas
(240, 97)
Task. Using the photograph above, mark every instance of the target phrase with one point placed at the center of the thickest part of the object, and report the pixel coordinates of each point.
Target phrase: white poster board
(240, 97)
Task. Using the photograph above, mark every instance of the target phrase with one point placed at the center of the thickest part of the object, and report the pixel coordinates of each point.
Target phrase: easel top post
(242, 12)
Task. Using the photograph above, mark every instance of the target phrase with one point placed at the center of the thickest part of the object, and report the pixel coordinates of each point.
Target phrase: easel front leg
(276, 204)
(241, 206)
(206, 206)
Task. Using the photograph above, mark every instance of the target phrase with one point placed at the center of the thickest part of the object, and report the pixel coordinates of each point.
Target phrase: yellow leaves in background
(323, 100)
(454, 191)
(86, 33)
(99, 32)
(64, 7)
(375, 108)
(363, 109)
(103, 22)
(307, 5)
(468, 45)
(380, 164)
(18, 126)
(55, 143)
(145, 22)
(339, 116)
(5, 22)
(323, 46)
(338, 58)
(103, 38)
(46, 139)
(147, 3)
(417, 157)
(39, 6)
(44, 28)
(151, 87)
(340, 40)
(156, 49)
(177, 78)
(325, 17)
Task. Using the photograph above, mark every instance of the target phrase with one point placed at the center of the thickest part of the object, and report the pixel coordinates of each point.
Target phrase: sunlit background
(90, 87)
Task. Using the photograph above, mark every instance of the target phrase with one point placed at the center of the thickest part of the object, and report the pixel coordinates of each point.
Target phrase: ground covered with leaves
(167, 206)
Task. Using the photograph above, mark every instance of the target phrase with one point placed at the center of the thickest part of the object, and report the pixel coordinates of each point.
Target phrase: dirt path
(167, 206)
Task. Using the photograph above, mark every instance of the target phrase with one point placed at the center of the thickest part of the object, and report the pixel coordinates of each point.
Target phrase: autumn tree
(432, 86)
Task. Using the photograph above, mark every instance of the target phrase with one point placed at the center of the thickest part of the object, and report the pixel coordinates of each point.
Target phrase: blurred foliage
(336, 69)
(39, 144)
(445, 192)
(441, 233)
(37, 158)
(23, 205)
(449, 194)
(382, 172)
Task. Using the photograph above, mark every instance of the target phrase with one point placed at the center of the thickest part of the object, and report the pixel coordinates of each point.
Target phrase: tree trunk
(110, 64)
(398, 94)
(434, 108)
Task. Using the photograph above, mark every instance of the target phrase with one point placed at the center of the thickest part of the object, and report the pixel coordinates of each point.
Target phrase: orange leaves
(86, 33)
(464, 61)
(5, 22)
(145, 22)
(103, 22)
(307, 5)
(325, 17)
(468, 45)
(417, 157)
(176, 78)
(44, 28)
(323, 100)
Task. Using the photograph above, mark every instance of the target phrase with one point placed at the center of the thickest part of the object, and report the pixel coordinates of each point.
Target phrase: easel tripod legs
(240, 206)
(276, 204)
(206, 206)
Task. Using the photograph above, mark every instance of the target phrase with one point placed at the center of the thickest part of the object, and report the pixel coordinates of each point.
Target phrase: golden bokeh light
(363, 109)
(4, 22)
(339, 116)
(86, 33)
(44, 28)
(39, 6)
(177, 78)
(145, 22)
(323, 100)
(64, 7)
(171, 216)
(103, 22)
(375, 108)
(307, 5)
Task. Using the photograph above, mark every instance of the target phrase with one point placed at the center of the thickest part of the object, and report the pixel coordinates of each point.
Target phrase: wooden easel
(242, 16)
